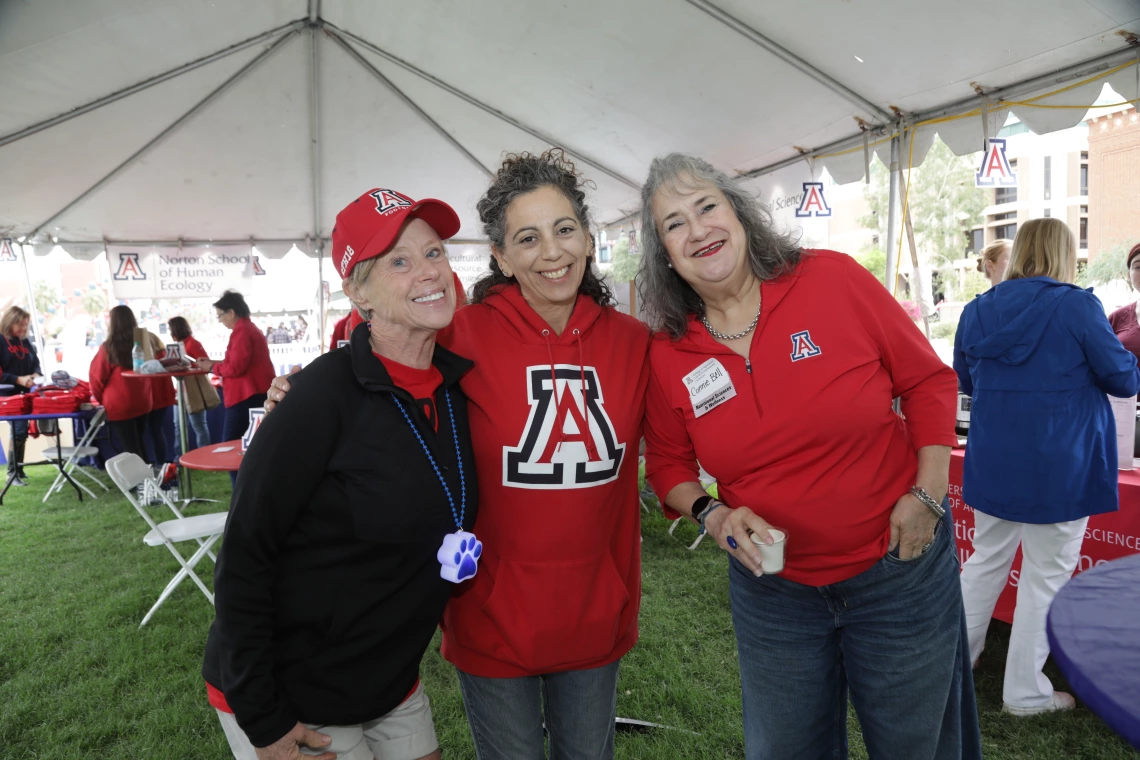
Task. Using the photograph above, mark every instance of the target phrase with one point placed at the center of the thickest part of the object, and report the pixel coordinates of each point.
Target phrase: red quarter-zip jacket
(559, 584)
(810, 441)
(122, 398)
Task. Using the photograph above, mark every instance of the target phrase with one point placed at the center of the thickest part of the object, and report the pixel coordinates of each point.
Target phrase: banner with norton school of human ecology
(197, 272)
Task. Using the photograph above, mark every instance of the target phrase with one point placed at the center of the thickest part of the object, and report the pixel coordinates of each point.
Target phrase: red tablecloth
(1107, 537)
(209, 458)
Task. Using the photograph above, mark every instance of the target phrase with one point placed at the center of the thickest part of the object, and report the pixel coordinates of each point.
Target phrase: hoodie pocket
(554, 614)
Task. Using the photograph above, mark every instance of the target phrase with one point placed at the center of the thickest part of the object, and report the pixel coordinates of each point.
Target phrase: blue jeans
(237, 421)
(506, 714)
(198, 425)
(893, 636)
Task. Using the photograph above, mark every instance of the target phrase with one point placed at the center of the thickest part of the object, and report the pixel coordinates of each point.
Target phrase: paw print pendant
(459, 556)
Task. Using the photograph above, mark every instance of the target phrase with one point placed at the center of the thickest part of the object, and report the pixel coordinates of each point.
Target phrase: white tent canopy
(259, 120)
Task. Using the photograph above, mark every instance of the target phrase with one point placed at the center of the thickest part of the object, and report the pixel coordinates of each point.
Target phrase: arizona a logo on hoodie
(568, 441)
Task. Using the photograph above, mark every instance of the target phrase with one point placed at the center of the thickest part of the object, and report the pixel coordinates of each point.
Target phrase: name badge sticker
(709, 386)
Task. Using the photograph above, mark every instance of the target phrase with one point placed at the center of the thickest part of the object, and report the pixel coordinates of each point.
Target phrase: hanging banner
(797, 202)
(995, 170)
(470, 262)
(199, 272)
(7, 251)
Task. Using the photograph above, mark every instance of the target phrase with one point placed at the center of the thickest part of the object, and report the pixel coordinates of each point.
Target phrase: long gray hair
(667, 299)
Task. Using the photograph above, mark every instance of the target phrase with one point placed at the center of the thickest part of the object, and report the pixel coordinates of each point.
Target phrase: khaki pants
(406, 733)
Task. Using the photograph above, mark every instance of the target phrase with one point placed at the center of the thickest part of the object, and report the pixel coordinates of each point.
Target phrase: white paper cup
(771, 555)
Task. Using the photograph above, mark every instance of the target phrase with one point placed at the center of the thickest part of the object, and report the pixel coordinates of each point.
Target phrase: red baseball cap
(368, 226)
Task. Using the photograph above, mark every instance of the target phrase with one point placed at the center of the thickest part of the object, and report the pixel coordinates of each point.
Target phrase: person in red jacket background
(775, 368)
(192, 349)
(127, 402)
(162, 398)
(246, 371)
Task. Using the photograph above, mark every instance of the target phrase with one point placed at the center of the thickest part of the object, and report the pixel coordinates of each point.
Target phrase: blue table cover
(1094, 632)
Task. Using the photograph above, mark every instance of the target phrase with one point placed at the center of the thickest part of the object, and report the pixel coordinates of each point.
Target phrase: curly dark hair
(523, 173)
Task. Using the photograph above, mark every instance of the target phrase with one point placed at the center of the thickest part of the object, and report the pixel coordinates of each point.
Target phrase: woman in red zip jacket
(127, 402)
(775, 367)
(246, 371)
(162, 398)
(556, 401)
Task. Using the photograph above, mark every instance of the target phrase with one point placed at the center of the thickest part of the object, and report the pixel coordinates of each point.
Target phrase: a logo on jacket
(803, 347)
(129, 268)
(568, 441)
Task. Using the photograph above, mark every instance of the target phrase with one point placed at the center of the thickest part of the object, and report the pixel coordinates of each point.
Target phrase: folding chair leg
(187, 570)
(92, 477)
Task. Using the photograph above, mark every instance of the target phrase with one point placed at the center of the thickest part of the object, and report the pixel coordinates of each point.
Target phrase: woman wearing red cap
(350, 521)
(557, 396)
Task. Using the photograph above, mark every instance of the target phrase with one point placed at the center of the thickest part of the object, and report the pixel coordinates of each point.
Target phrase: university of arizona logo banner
(199, 272)
(995, 170)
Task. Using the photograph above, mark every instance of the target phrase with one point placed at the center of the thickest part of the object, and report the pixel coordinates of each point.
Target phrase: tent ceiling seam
(216, 92)
(789, 58)
(454, 141)
(585, 158)
(146, 84)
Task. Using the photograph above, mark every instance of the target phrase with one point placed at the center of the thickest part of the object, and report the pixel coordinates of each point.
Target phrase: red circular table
(210, 458)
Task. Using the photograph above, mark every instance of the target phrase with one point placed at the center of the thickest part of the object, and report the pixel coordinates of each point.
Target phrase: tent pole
(891, 274)
(790, 58)
(164, 133)
(34, 322)
(147, 83)
(349, 36)
(411, 104)
(315, 163)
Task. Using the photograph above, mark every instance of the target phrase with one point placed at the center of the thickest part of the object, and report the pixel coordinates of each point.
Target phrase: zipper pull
(748, 365)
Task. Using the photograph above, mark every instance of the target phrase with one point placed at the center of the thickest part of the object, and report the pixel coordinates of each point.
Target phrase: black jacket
(17, 358)
(327, 587)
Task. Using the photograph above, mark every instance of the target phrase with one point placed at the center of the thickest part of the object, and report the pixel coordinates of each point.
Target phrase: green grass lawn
(79, 679)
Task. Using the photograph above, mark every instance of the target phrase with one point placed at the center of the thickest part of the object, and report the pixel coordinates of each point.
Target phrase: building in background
(1111, 172)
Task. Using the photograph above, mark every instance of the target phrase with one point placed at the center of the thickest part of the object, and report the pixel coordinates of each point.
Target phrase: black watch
(703, 507)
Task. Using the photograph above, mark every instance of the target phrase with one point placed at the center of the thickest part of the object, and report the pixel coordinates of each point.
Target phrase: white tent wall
(753, 87)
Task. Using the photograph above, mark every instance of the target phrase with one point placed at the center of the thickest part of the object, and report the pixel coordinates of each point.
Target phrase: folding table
(60, 461)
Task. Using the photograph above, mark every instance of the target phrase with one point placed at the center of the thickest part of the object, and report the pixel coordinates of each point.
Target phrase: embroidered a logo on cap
(569, 440)
(803, 347)
(347, 257)
(389, 200)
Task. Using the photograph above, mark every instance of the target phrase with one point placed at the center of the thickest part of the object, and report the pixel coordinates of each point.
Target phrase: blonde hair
(992, 252)
(1044, 248)
(12, 317)
(358, 276)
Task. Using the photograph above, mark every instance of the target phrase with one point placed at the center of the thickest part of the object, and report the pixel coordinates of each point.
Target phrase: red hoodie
(162, 392)
(122, 398)
(247, 369)
(559, 583)
(809, 442)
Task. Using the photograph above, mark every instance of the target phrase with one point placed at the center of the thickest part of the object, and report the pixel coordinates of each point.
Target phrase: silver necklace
(737, 336)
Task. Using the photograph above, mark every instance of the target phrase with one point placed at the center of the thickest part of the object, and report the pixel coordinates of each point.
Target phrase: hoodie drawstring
(591, 450)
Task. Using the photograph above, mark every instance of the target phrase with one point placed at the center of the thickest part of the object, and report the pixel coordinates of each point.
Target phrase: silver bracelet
(920, 494)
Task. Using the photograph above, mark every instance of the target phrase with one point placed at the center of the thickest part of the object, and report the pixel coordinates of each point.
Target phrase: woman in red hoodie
(775, 367)
(555, 400)
(127, 402)
(246, 371)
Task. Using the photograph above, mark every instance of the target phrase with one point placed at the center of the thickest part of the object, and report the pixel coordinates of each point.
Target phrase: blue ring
(731, 541)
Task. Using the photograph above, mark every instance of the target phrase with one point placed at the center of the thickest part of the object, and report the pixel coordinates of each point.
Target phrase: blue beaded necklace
(460, 552)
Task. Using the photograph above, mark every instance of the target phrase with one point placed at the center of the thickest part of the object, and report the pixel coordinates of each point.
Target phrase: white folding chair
(72, 454)
(128, 471)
